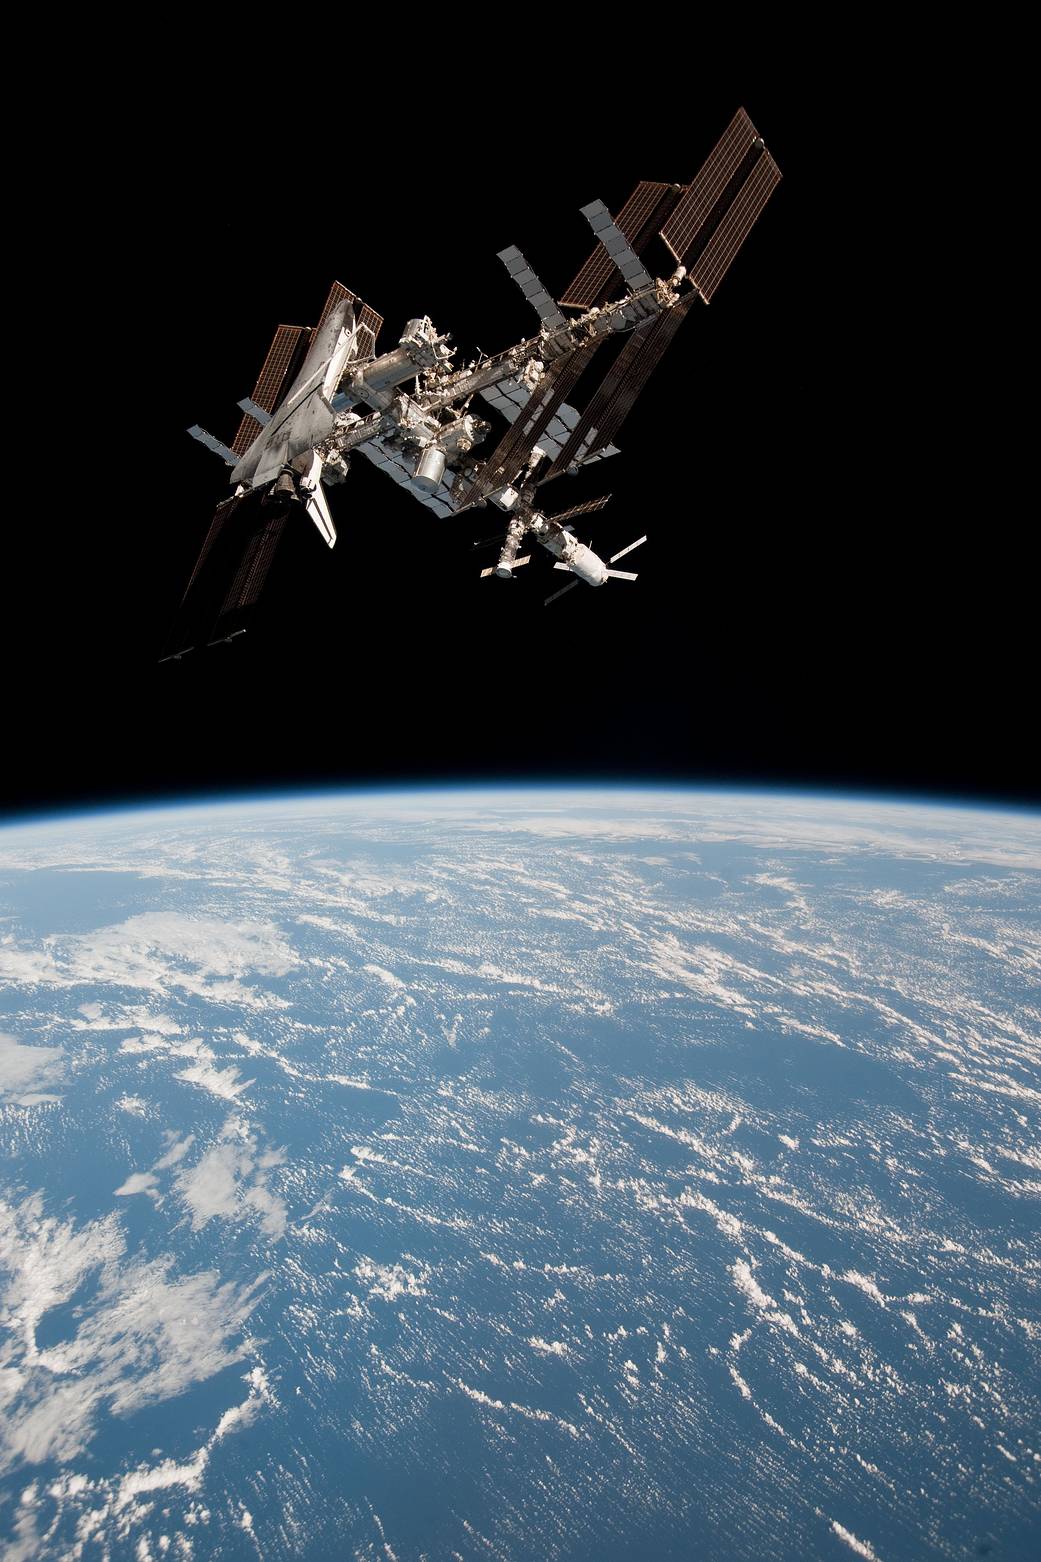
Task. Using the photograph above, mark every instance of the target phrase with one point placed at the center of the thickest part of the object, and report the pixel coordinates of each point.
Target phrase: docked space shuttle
(491, 431)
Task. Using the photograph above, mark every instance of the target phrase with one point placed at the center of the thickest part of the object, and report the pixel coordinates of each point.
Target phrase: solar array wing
(336, 295)
(516, 445)
(219, 573)
(622, 385)
(279, 368)
(562, 592)
(712, 265)
(639, 219)
(583, 435)
(248, 582)
(534, 290)
(362, 313)
(658, 339)
(580, 509)
(696, 204)
(371, 322)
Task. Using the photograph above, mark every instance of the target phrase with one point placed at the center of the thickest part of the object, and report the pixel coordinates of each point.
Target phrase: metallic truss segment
(698, 201)
(534, 290)
(712, 265)
(284, 357)
(639, 220)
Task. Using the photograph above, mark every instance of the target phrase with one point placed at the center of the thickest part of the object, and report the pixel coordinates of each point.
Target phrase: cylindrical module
(587, 565)
(430, 469)
(510, 548)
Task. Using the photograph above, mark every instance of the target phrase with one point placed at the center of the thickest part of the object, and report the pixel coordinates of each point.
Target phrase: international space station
(327, 393)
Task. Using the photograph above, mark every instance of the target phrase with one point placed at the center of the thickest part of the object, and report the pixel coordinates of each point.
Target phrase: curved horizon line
(197, 801)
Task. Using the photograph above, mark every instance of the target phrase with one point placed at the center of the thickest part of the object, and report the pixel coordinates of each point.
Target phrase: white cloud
(861, 1547)
(22, 1067)
(230, 1182)
(109, 1510)
(158, 952)
(384, 976)
(211, 1187)
(143, 1333)
(223, 1082)
(135, 1105)
(178, 1149)
(389, 1281)
(139, 1182)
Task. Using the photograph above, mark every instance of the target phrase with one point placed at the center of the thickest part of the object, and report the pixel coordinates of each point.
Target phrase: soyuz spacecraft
(327, 394)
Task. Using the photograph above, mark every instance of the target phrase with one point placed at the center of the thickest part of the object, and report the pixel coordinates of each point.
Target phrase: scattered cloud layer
(229, 1181)
(159, 952)
(142, 1332)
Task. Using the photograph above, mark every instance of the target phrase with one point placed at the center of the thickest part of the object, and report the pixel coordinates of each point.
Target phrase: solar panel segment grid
(220, 518)
(640, 369)
(594, 413)
(714, 262)
(336, 294)
(252, 572)
(372, 322)
(599, 271)
(270, 382)
(696, 203)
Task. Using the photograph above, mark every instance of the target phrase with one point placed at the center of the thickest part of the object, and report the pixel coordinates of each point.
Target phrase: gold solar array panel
(362, 313)
(599, 271)
(257, 559)
(712, 264)
(281, 356)
(336, 294)
(696, 204)
(593, 416)
(372, 322)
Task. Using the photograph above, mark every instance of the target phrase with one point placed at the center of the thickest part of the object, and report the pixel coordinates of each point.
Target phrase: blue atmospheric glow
(357, 794)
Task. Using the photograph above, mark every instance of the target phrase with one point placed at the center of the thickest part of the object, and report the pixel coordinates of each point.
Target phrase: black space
(822, 600)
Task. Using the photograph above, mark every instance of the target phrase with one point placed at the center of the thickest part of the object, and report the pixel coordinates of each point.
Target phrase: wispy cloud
(160, 953)
(230, 1181)
(143, 1333)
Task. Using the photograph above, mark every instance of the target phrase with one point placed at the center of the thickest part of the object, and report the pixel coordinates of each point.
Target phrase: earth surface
(536, 1176)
